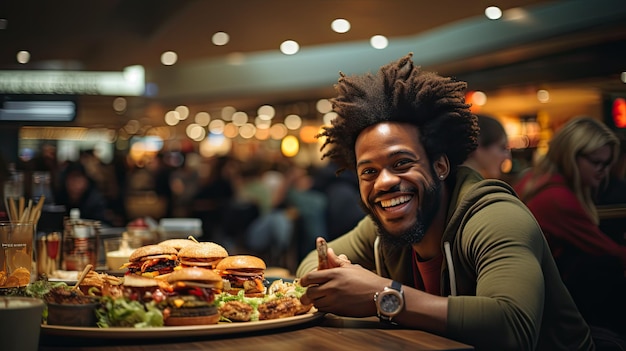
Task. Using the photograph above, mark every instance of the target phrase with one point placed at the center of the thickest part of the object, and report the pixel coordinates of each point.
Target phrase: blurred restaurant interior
(129, 81)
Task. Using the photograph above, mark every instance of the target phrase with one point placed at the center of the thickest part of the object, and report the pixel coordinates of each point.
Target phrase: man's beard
(429, 205)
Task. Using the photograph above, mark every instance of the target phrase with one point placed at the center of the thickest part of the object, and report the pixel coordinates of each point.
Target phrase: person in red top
(559, 192)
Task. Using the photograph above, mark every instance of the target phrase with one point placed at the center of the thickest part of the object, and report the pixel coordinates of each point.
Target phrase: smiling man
(441, 249)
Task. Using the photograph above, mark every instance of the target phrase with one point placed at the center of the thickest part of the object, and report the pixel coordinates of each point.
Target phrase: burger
(243, 272)
(203, 255)
(143, 289)
(190, 297)
(178, 243)
(152, 260)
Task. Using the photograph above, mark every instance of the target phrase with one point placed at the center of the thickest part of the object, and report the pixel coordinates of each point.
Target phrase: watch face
(389, 303)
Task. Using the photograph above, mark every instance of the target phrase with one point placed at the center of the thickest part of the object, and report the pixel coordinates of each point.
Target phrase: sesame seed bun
(177, 243)
(144, 252)
(203, 250)
(239, 262)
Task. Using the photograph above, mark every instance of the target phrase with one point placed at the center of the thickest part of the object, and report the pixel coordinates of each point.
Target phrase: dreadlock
(401, 92)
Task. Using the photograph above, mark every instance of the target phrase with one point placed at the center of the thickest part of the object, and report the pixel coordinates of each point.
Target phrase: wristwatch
(389, 302)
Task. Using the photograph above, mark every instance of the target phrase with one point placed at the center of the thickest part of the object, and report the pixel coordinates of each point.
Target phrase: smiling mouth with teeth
(395, 201)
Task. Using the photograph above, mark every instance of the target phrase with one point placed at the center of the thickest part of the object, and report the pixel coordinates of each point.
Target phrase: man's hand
(346, 289)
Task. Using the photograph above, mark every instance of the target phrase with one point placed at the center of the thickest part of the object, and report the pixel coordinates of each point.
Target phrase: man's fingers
(322, 253)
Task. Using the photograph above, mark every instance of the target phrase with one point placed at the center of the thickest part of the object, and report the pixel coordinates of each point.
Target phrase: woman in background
(559, 191)
(492, 150)
(78, 190)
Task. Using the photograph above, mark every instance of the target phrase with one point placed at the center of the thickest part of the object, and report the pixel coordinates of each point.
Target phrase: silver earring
(441, 177)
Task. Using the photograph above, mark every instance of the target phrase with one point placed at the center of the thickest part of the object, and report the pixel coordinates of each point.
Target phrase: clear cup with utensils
(16, 254)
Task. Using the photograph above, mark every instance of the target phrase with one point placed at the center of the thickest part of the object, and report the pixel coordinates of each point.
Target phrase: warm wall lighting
(290, 146)
(543, 96)
(308, 133)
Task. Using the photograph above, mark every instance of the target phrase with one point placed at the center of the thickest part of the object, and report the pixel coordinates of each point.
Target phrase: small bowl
(83, 315)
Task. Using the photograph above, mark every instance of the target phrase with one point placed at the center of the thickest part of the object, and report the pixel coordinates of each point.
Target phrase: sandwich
(190, 297)
(203, 255)
(143, 289)
(152, 260)
(243, 272)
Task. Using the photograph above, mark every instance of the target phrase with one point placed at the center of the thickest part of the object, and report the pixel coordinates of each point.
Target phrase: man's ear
(442, 167)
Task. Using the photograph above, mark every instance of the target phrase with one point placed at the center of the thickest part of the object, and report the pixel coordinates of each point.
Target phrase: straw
(20, 207)
(36, 213)
(13, 212)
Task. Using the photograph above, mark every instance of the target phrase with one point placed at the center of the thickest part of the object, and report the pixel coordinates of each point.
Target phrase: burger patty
(163, 266)
(249, 284)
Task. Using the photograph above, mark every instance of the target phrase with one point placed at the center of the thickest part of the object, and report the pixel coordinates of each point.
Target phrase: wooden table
(327, 333)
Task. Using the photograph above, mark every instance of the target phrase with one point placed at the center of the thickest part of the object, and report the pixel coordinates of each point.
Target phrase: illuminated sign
(130, 82)
(619, 112)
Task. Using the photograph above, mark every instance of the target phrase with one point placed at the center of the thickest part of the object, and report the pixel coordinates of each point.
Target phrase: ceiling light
(323, 106)
(379, 42)
(493, 12)
(543, 96)
(183, 112)
(293, 122)
(23, 57)
(289, 47)
(202, 118)
(171, 118)
(266, 110)
(340, 25)
(169, 58)
(220, 38)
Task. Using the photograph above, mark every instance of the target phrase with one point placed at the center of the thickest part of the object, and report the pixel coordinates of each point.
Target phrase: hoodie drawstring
(451, 275)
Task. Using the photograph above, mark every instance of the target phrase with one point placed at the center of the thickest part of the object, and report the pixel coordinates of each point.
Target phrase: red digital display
(619, 112)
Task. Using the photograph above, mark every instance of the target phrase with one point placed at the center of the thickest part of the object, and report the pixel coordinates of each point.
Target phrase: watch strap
(396, 286)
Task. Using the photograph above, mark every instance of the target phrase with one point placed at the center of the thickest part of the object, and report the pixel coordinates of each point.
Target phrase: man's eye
(402, 163)
(368, 171)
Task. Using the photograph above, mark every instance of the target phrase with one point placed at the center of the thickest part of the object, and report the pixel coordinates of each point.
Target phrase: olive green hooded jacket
(504, 289)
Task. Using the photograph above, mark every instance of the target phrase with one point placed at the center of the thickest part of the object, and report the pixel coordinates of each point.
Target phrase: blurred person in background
(78, 190)
(211, 201)
(268, 234)
(342, 196)
(184, 183)
(559, 191)
(311, 209)
(492, 150)
(612, 194)
(451, 252)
